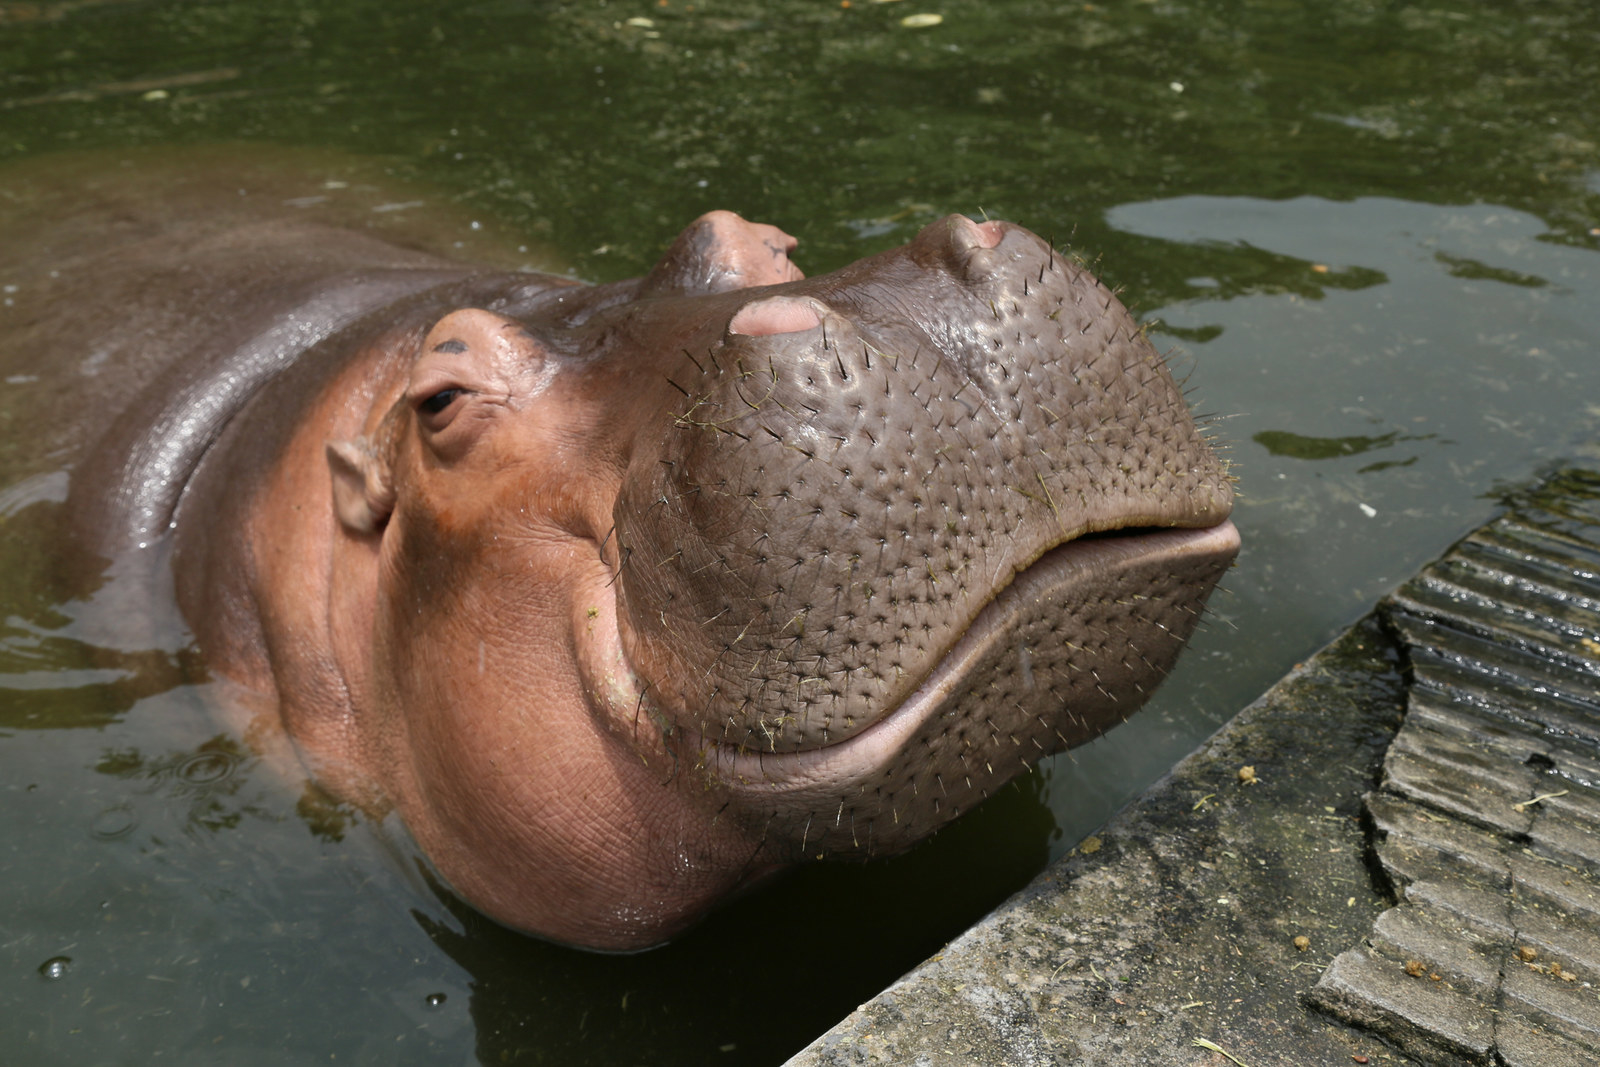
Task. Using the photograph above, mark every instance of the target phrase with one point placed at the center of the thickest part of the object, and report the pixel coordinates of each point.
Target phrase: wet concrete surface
(1306, 888)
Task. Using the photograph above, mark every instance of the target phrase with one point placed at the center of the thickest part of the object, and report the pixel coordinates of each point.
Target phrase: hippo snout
(931, 483)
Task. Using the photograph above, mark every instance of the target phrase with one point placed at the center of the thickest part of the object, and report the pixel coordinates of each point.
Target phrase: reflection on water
(59, 670)
(1299, 446)
(59, 683)
(166, 891)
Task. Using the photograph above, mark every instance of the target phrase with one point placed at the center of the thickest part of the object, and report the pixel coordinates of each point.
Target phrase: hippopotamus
(625, 596)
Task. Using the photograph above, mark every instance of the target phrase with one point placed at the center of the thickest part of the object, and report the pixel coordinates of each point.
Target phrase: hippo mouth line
(1082, 561)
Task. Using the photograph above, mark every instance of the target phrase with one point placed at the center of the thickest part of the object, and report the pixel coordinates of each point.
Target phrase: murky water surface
(1368, 229)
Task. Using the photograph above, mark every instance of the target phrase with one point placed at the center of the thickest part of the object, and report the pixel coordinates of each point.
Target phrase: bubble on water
(434, 1000)
(113, 823)
(55, 967)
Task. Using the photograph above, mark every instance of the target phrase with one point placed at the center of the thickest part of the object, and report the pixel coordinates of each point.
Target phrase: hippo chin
(625, 596)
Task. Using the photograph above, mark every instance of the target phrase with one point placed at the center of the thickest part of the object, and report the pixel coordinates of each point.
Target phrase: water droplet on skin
(434, 1000)
(55, 967)
(1025, 665)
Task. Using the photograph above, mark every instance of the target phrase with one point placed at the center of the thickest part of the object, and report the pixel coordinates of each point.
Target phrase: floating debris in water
(918, 22)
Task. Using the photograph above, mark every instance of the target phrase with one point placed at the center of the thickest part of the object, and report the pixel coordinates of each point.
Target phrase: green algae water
(1367, 232)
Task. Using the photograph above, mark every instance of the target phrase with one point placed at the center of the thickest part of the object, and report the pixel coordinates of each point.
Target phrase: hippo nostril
(971, 247)
(966, 235)
(762, 318)
(989, 233)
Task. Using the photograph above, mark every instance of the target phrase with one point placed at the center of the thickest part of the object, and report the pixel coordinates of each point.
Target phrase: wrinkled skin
(627, 596)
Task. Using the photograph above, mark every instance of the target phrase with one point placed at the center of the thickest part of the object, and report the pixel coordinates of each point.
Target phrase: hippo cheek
(537, 810)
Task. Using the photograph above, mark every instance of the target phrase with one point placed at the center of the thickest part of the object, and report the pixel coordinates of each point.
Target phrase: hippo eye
(439, 401)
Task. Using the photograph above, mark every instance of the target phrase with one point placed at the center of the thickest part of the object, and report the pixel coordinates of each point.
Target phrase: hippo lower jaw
(1071, 566)
(1019, 683)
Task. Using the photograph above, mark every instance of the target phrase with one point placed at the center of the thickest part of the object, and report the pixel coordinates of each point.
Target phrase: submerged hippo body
(624, 596)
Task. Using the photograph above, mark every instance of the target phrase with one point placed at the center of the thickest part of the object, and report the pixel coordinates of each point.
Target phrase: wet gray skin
(917, 523)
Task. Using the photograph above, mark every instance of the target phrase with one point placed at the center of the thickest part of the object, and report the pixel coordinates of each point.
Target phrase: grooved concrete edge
(1488, 820)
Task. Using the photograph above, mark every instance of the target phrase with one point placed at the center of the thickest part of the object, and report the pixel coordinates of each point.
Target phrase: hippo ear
(362, 494)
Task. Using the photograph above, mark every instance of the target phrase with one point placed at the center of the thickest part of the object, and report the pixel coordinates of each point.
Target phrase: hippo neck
(135, 476)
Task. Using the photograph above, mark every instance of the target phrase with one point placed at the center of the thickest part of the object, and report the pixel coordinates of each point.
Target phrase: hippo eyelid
(436, 403)
(453, 347)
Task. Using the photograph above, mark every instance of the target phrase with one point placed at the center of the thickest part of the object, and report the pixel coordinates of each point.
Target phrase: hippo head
(684, 579)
